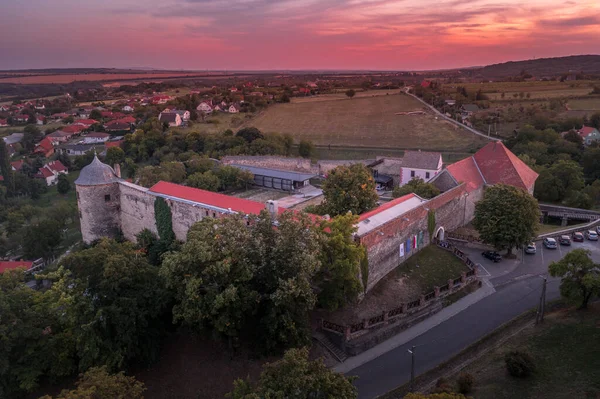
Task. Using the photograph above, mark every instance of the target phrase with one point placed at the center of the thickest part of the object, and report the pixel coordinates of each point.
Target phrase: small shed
(277, 179)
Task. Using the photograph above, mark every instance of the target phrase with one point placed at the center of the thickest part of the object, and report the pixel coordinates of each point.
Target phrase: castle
(391, 233)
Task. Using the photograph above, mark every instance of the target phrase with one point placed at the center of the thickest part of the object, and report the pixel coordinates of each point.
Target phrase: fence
(349, 332)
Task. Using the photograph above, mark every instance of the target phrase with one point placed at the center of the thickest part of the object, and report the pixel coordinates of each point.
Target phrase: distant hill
(584, 64)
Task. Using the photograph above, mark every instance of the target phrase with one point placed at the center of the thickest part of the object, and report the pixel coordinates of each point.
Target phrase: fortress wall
(137, 210)
(186, 214)
(98, 211)
(272, 162)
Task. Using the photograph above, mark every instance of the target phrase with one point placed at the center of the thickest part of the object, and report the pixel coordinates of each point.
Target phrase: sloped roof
(466, 171)
(586, 131)
(421, 160)
(45, 144)
(17, 165)
(471, 107)
(278, 174)
(96, 173)
(196, 195)
(499, 165)
(8, 265)
(56, 166)
(167, 117)
(379, 216)
(72, 128)
(44, 172)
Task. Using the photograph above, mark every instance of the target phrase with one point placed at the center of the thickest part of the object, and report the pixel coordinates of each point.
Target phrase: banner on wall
(402, 250)
(420, 243)
(408, 246)
(414, 242)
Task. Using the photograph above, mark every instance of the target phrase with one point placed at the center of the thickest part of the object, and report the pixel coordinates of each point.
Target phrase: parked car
(491, 255)
(550, 243)
(598, 229)
(564, 240)
(578, 236)
(591, 235)
(530, 248)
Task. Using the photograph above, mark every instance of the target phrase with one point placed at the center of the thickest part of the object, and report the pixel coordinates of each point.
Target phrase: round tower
(98, 199)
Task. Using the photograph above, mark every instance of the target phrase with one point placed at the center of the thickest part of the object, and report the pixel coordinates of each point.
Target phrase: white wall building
(420, 164)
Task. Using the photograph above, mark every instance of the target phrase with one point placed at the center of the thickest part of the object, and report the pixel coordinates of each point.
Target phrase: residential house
(589, 134)
(233, 109)
(128, 119)
(469, 109)
(50, 172)
(21, 118)
(44, 147)
(233, 89)
(115, 143)
(96, 137)
(77, 149)
(40, 107)
(17, 165)
(420, 164)
(117, 126)
(451, 103)
(205, 106)
(13, 138)
(40, 119)
(74, 130)
(3, 122)
(59, 116)
(59, 137)
(4, 108)
(172, 119)
(127, 108)
(87, 123)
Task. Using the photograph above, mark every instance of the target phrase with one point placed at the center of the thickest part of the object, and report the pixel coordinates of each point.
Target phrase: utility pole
(412, 368)
(541, 308)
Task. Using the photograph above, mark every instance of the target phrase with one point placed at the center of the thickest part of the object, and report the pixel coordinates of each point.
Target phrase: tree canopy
(506, 217)
(417, 186)
(349, 189)
(296, 377)
(580, 276)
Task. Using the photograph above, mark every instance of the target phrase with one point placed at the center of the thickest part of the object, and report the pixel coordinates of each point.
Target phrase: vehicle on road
(550, 243)
(591, 235)
(491, 255)
(564, 240)
(598, 229)
(530, 248)
(578, 236)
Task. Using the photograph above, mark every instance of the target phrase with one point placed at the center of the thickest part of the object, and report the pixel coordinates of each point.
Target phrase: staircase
(330, 346)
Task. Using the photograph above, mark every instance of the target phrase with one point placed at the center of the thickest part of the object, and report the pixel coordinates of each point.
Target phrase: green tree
(114, 155)
(31, 136)
(349, 189)
(559, 181)
(595, 118)
(5, 168)
(250, 134)
(506, 217)
(205, 181)
(15, 221)
(199, 164)
(42, 239)
(431, 223)
(580, 276)
(97, 383)
(115, 301)
(295, 376)
(417, 186)
(340, 257)
(69, 119)
(63, 186)
(231, 177)
(96, 115)
(350, 93)
(306, 149)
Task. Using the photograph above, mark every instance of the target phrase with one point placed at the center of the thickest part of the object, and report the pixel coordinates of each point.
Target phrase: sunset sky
(292, 34)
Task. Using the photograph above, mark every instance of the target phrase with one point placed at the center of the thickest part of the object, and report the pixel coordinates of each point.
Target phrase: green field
(536, 89)
(366, 122)
(585, 104)
(565, 351)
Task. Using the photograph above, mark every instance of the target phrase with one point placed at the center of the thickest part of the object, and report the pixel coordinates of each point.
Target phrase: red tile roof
(385, 206)
(45, 145)
(56, 166)
(17, 165)
(72, 129)
(85, 122)
(8, 265)
(499, 165)
(466, 171)
(44, 172)
(586, 131)
(98, 134)
(118, 143)
(127, 119)
(208, 198)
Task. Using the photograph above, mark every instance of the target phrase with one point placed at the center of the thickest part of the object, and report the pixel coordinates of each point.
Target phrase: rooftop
(225, 203)
(280, 174)
(379, 216)
(8, 265)
(96, 173)
(466, 171)
(421, 160)
(499, 165)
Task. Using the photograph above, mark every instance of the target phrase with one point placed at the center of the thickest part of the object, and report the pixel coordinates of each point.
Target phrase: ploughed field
(366, 122)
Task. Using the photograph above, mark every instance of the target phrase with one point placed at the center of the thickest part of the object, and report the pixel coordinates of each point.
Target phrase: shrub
(519, 364)
(465, 382)
(443, 386)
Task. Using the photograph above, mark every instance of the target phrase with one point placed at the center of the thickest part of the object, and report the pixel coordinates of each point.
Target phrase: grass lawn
(565, 351)
(585, 104)
(536, 89)
(433, 266)
(550, 228)
(221, 122)
(368, 121)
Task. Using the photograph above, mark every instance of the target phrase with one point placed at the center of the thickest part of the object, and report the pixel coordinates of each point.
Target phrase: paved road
(441, 115)
(518, 288)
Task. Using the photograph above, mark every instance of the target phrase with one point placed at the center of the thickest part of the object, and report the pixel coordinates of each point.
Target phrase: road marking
(487, 282)
(542, 247)
(488, 273)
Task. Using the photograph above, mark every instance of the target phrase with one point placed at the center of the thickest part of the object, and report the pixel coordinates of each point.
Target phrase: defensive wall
(289, 164)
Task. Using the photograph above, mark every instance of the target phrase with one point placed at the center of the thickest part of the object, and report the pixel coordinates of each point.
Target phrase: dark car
(564, 240)
(578, 236)
(491, 255)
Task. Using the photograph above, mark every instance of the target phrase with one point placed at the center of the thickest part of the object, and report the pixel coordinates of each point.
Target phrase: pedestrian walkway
(416, 330)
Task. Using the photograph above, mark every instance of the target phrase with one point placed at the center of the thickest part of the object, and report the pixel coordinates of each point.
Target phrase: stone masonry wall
(137, 210)
(185, 215)
(99, 211)
(453, 209)
(272, 162)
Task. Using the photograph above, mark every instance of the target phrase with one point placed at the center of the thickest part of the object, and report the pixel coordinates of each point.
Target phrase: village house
(21, 118)
(414, 164)
(205, 106)
(184, 114)
(172, 119)
(4, 108)
(469, 109)
(3, 122)
(127, 108)
(96, 137)
(589, 134)
(87, 123)
(117, 126)
(74, 130)
(40, 119)
(17, 165)
(50, 172)
(59, 137)
(44, 147)
(233, 109)
(77, 149)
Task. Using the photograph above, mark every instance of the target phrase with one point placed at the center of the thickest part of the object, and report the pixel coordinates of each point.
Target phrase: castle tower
(98, 199)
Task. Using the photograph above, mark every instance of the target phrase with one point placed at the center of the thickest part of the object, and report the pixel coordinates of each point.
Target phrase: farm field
(536, 89)
(342, 96)
(366, 122)
(585, 104)
(68, 78)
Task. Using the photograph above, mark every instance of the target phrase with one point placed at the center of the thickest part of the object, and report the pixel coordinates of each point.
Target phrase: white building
(205, 107)
(96, 137)
(420, 164)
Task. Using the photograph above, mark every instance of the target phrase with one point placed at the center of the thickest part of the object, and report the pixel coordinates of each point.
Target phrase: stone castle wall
(137, 210)
(272, 162)
(99, 211)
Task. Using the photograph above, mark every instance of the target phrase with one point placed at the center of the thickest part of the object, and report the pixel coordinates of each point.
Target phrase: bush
(519, 364)
(443, 386)
(465, 382)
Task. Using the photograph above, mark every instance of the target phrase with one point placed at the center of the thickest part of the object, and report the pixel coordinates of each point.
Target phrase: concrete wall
(137, 210)
(453, 209)
(99, 215)
(271, 162)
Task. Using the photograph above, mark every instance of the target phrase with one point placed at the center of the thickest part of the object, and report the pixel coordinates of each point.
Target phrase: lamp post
(465, 209)
(412, 368)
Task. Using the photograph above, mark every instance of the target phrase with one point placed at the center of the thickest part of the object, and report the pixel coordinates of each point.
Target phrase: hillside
(368, 121)
(585, 64)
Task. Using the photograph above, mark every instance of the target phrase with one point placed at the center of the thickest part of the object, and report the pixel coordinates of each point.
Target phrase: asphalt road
(518, 288)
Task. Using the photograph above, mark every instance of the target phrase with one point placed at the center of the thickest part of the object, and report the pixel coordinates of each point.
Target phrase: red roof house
(3, 122)
(85, 122)
(11, 265)
(44, 147)
(17, 165)
(73, 129)
(466, 171)
(118, 143)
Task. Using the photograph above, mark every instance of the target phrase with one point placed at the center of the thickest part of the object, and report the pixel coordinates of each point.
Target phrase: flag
(402, 250)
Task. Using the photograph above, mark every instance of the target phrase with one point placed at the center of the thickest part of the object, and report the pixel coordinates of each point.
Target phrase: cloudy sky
(292, 34)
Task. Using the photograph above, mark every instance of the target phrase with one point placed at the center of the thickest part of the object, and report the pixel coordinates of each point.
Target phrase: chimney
(117, 169)
(272, 208)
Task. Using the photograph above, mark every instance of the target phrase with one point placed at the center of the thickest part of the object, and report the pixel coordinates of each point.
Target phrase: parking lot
(525, 265)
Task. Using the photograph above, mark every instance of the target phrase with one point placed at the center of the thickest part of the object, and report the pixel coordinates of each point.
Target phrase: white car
(591, 235)
(530, 248)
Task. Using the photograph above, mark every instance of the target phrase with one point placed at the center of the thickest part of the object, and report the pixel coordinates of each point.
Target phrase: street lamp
(412, 368)
(465, 209)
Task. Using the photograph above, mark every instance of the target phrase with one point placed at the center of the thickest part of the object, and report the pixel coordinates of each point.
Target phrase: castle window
(107, 198)
(427, 175)
(412, 173)
(214, 214)
(206, 213)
